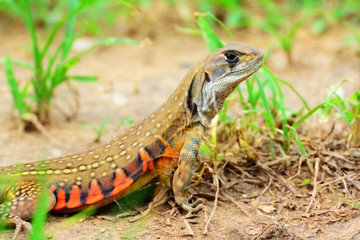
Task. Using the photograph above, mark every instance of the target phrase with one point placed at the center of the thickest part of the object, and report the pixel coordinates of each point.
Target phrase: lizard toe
(19, 223)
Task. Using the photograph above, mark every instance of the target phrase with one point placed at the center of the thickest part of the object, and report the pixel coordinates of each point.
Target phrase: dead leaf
(265, 208)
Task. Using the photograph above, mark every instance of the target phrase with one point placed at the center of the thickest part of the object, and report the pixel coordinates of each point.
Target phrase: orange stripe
(145, 160)
(94, 193)
(151, 165)
(52, 188)
(169, 151)
(121, 182)
(60, 203)
(74, 200)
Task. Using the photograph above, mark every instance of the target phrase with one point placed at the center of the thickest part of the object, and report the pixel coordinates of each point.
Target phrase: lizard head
(221, 73)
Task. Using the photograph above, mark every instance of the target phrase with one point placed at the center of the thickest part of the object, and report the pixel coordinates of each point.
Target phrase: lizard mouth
(256, 65)
(252, 68)
(240, 75)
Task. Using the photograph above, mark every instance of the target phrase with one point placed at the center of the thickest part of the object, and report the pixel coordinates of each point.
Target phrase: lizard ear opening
(207, 77)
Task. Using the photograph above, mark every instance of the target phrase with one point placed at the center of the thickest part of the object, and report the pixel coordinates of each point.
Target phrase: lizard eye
(231, 56)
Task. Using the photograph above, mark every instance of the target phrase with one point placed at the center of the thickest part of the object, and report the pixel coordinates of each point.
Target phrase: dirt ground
(134, 81)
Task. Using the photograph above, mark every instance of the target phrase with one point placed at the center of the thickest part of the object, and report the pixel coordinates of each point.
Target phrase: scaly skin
(170, 136)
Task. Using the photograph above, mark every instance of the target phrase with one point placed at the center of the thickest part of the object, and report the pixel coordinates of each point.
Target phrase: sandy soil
(155, 70)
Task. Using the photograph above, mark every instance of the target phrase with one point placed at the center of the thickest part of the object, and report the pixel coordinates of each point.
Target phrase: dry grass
(267, 189)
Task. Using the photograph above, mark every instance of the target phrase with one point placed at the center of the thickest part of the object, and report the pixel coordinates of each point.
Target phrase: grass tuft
(49, 70)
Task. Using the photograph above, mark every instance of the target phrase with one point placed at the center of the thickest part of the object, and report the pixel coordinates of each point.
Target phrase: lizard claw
(19, 223)
(193, 207)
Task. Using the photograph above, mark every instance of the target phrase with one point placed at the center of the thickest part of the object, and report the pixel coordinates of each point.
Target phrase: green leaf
(305, 181)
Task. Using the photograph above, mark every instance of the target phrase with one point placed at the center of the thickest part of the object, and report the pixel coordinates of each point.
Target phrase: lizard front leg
(183, 174)
(24, 200)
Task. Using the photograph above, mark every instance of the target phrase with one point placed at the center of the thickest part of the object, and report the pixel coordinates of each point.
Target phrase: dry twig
(315, 184)
(188, 227)
(216, 180)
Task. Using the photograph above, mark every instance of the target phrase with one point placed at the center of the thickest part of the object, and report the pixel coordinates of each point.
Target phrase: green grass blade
(82, 78)
(268, 117)
(205, 149)
(355, 33)
(210, 37)
(69, 30)
(125, 120)
(113, 41)
(342, 114)
(102, 126)
(281, 105)
(296, 92)
(270, 120)
(38, 222)
(311, 112)
(267, 28)
(297, 139)
(61, 70)
(241, 97)
(269, 83)
(251, 91)
(334, 90)
(14, 88)
(19, 63)
(88, 126)
(222, 25)
(51, 62)
(15, 8)
(287, 41)
(31, 26)
(59, 25)
(189, 31)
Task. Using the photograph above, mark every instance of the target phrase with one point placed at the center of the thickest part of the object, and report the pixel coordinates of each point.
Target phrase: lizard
(169, 137)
